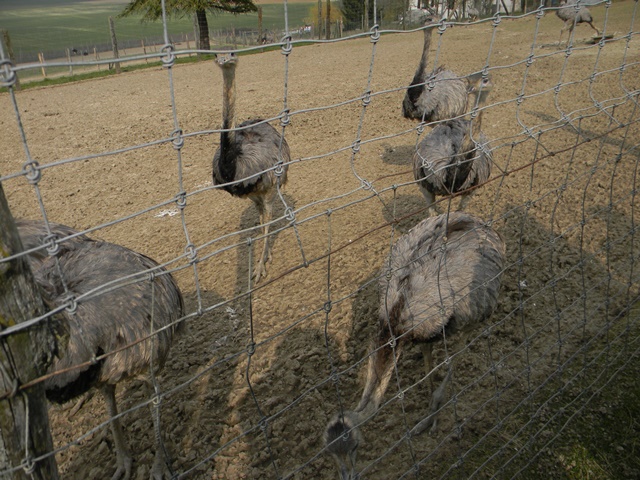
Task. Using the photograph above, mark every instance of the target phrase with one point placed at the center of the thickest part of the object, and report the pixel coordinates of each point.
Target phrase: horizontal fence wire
(243, 380)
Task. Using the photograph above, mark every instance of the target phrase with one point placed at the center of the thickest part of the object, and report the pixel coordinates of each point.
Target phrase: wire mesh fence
(250, 384)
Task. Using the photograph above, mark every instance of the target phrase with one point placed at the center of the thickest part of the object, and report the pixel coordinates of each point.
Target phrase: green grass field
(55, 25)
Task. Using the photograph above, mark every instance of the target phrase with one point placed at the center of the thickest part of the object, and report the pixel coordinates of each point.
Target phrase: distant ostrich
(445, 277)
(105, 322)
(435, 95)
(473, 14)
(447, 161)
(571, 17)
(249, 157)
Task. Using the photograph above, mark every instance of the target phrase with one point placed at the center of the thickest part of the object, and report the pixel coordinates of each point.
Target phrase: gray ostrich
(572, 16)
(247, 158)
(435, 95)
(447, 161)
(117, 322)
(473, 14)
(445, 277)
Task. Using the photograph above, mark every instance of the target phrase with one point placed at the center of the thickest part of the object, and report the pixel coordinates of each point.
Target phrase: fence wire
(261, 368)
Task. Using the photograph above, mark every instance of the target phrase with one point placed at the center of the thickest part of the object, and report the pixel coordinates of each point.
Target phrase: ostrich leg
(265, 210)
(123, 456)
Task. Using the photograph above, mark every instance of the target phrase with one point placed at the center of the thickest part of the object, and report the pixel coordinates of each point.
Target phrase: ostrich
(447, 161)
(251, 161)
(445, 99)
(473, 14)
(571, 17)
(127, 312)
(444, 277)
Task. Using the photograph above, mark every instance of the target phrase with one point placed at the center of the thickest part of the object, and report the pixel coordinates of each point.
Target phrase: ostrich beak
(346, 466)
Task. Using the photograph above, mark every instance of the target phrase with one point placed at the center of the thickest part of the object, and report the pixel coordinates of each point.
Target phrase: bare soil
(563, 201)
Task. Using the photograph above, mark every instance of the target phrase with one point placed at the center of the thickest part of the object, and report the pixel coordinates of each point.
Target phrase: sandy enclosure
(563, 201)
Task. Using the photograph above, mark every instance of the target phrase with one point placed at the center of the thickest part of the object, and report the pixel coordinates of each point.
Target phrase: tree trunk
(203, 29)
(114, 44)
(319, 19)
(25, 356)
(366, 15)
(328, 19)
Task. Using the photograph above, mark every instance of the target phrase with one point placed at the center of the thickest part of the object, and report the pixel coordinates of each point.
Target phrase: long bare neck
(228, 106)
(473, 133)
(424, 59)
(381, 363)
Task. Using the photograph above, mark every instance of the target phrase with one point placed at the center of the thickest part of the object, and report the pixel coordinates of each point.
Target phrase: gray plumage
(435, 95)
(445, 277)
(447, 161)
(107, 320)
(248, 158)
(473, 14)
(572, 17)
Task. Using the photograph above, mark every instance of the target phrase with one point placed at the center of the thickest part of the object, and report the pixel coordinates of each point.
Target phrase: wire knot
(289, 214)
(8, 77)
(181, 200)
(178, 140)
(32, 171)
(28, 465)
(366, 99)
(72, 305)
(530, 60)
(496, 19)
(287, 46)
(52, 245)
(375, 33)
(285, 119)
(169, 59)
(191, 252)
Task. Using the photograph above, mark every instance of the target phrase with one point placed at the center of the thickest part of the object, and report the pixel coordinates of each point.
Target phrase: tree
(313, 19)
(151, 10)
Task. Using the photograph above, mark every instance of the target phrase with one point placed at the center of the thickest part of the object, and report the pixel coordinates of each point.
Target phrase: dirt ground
(564, 202)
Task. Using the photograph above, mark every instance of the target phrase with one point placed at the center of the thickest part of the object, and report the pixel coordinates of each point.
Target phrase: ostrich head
(479, 88)
(342, 438)
(226, 61)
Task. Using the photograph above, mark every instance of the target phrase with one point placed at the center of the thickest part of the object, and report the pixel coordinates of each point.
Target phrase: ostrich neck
(228, 108)
(473, 133)
(424, 59)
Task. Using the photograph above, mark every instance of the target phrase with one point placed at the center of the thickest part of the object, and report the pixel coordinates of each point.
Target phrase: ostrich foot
(259, 272)
(160, 469)
(123, 472)
(76, 408)
(431, 423)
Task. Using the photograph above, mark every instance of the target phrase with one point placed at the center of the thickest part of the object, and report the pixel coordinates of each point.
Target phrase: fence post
(24, 356)
(44, 71)
(69, 60)
(259, 25)
(144, 51)
(114, 44)
(7, 44)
